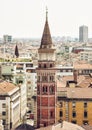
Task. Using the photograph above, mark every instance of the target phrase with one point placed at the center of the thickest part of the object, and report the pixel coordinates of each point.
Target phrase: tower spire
(16, 51)
(46, 13)
(46, 37)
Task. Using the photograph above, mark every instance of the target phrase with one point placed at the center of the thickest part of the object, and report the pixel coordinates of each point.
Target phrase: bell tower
(46, 81)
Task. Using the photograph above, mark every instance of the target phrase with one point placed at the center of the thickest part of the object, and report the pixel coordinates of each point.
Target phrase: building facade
(86, 56)
(46, 81)
(9, 105)
(83, 34)
(7, 39)
(74, 105)
(24, 75)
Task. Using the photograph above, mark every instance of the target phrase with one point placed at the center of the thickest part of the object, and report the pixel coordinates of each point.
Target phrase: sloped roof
(78, 93)
(46, 37)
(87, 127)
(64, 126)
(25, 126)
(6, 87)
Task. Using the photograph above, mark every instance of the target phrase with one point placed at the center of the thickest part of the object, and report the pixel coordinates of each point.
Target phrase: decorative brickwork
(46, 84)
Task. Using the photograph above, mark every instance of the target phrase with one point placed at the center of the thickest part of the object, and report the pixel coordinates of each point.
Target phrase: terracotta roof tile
(6, 87)
(83, 93)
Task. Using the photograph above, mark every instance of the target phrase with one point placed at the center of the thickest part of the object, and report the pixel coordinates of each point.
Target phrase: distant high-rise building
(83, 33)
(7, 38)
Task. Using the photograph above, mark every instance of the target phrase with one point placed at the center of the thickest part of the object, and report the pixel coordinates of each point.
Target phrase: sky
(26, 18)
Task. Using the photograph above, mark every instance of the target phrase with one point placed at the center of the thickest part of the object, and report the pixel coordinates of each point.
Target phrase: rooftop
(6, 87)
(82, 65)
(24, 126)
(76, 93)
(64, 126)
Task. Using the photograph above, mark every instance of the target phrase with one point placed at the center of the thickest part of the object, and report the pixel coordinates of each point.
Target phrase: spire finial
(46, 13)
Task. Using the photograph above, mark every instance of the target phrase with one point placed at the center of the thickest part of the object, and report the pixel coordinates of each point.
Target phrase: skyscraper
(83, 33)
(46, 81)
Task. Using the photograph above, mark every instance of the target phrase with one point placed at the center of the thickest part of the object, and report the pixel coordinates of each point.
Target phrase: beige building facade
(9, 104)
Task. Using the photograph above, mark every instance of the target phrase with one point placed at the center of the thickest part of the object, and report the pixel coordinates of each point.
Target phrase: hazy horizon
(26, 18)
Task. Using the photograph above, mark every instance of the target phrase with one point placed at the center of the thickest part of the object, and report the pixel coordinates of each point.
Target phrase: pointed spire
(16, 51)
(46, 13)
(46, 37)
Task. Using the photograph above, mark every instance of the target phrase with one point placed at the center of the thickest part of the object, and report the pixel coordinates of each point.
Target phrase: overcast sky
(26, 18)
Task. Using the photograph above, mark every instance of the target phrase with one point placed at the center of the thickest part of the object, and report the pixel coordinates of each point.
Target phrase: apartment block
(9, 104)
(86, 56)
(74, 105)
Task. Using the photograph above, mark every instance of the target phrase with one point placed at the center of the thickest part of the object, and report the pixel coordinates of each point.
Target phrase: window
(51, 114)
(3, 113)
(85, 114)
(85, 122)
(73, 104)
(2, 98)
(29, 88)
(61, 104)
(39, 65)
(74, 121)
(51, 78)
(38, 89)
(51, 89)
(73, 114)
(45, 89)
(28, 99)
(20, 81)
(28, 82)
(60, 113)
(4, 122)
(50, 65)
(44, 78)
(29, 65)
(44, 65)
(38, 78)
(85, 104)
(3, 105)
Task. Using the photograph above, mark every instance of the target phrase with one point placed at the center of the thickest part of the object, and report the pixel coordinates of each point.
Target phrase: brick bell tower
(46, 82)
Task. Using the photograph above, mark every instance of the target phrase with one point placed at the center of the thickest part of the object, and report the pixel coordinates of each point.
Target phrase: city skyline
(25, 18)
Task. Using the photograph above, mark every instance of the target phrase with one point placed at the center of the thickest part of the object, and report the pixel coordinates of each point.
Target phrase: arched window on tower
(51, 89)
(38, 78)
(39, 65)
(44, 65)
(51, 114)
(38, 89)
(50, 65)
(44, 78)
(51, 78)
(45, 89)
